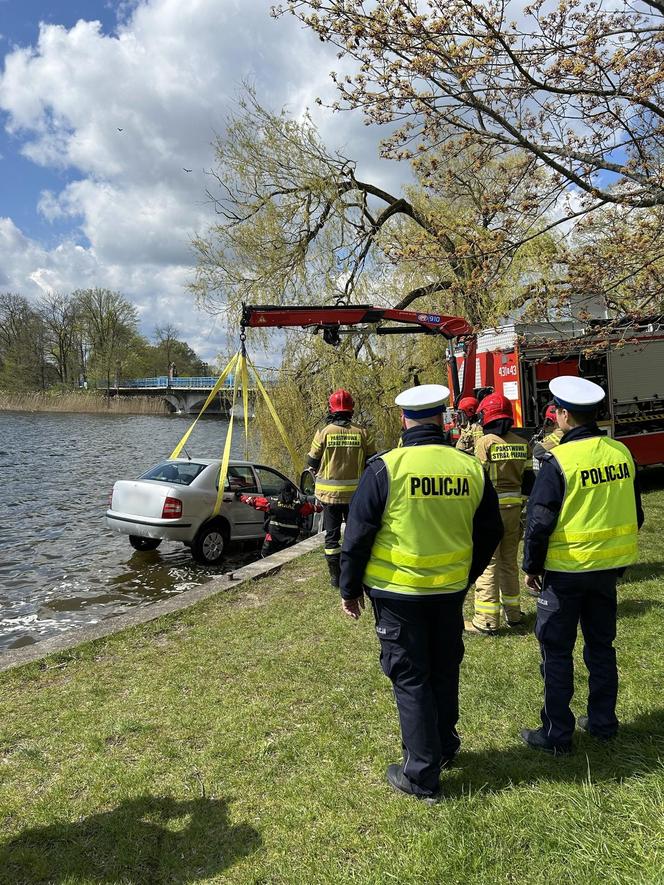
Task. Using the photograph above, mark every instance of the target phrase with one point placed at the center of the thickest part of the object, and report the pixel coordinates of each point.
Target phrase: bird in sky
(187, 170)
(120, 130)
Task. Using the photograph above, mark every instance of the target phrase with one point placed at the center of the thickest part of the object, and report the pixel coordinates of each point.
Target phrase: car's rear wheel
(209, 546)
(139, 543)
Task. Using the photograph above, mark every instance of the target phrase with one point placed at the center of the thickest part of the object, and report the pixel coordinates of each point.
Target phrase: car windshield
(179, 472)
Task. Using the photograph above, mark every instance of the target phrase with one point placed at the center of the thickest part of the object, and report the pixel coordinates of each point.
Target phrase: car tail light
(172, 509)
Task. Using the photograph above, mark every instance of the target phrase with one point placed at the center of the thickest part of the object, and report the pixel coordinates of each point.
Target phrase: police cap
(424, 401)
(575, 394)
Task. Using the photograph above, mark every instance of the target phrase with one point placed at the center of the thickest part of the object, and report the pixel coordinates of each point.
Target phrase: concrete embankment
(229, 581)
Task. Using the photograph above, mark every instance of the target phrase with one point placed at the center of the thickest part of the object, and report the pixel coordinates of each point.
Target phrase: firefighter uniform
(507, 458)
(548, 438)
(471, 431)
(338, 453)
(469, 438)
(422, 525)
(283, 517)
(581, 533)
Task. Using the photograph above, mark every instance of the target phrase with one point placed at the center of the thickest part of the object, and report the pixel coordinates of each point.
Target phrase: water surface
(60, 567)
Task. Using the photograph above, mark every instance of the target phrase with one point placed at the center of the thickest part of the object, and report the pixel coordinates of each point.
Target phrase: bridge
(182, 395)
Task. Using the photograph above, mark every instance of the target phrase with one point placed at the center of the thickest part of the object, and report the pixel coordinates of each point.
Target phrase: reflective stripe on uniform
(337, 485)
(398, 557)
(284, 525)
(332, 551)
(410, 582)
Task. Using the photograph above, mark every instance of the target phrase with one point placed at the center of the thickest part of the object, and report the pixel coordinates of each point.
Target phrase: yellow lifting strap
(176, 451)
(297, 461)
(225, 458)
(239, 366)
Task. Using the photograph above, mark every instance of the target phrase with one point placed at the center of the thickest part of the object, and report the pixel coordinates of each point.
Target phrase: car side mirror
(307, 482)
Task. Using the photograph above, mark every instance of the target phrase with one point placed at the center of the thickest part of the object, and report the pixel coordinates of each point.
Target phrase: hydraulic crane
(332, 320)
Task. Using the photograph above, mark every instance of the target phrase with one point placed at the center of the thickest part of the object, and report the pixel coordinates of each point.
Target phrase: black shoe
(582, 722)
(516, 622)
(536, 740)
(334, 566)
(398, 781)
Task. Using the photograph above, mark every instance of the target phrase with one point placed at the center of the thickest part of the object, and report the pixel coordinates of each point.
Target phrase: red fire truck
(519, 360)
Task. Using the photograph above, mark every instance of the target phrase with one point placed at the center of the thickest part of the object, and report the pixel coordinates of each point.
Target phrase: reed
(81, 401)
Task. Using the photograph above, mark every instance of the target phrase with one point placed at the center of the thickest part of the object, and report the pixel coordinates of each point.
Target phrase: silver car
(174, 501)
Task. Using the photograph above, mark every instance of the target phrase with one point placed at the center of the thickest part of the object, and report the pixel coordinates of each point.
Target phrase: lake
(60, 567)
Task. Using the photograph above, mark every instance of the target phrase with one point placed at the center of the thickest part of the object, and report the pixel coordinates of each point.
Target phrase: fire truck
(518, 360)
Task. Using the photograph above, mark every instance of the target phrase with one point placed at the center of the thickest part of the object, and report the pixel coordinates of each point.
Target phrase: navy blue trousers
(421, 652)
(568, 599)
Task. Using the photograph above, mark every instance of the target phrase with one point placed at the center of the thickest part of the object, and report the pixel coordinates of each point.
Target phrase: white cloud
(128, 114)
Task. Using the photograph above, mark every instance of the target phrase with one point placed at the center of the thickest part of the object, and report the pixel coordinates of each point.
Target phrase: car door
(246, 522)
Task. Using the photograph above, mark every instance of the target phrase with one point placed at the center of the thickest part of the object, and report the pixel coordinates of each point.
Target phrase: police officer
(338, 454)
(507, 458)
(471, 430)
(283, 516)
(548, 438)
(583, 517)
(422, 525)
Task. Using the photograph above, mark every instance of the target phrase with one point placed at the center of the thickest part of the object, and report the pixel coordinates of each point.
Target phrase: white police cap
(423, 401)
(575, 394)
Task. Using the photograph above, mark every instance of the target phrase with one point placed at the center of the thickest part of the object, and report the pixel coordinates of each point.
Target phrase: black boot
(334, 565)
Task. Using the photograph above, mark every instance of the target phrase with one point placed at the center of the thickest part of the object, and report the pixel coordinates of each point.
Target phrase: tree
(23, 364)
(299, 225)
(109, 324)
(577, 86)
(58, 313)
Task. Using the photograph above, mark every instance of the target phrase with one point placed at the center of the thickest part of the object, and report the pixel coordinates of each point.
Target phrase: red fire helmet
(341, 401)
(469, 405)
(493, 407)
(550, 414)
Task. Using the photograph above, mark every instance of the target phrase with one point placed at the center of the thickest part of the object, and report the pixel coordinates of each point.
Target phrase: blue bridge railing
(201, 381)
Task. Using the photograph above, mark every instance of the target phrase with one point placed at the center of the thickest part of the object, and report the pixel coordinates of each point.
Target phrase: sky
(104, 104)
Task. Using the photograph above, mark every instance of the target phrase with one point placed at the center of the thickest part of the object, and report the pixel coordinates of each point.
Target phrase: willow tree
(576, 87)
(297, 224)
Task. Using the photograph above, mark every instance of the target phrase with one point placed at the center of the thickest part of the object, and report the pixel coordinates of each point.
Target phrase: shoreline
(88, 402)
(234, 580)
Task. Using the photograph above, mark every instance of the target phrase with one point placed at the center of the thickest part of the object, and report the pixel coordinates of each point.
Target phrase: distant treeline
(83, 339)
(81, 401)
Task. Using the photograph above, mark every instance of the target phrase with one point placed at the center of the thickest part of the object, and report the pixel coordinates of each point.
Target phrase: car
(174, 502)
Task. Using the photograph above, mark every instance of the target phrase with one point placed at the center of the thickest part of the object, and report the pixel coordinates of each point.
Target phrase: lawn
(245, 740)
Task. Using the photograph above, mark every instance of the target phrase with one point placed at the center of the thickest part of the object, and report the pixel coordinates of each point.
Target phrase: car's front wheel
(139, 543)
(209, 546)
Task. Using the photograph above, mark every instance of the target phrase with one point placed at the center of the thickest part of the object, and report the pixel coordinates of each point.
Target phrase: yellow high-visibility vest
(596, 527)
(424, 545)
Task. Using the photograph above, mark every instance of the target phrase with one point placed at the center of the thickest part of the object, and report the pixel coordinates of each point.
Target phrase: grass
(245, 740)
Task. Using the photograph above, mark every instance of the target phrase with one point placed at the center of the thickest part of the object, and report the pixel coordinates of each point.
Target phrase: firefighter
(338, 454)
(507, 458)
(471, 430)
(423, 524)
(548, 438)
(283, 516)
(581, 533)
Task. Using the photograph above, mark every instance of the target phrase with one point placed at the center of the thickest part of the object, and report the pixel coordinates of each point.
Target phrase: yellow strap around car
(176, 451)
(225, 458)
(295, 458)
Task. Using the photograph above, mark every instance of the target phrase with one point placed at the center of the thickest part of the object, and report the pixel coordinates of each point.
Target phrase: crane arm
(331, 318)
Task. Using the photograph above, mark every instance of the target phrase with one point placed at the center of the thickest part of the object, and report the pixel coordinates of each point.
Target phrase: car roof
(207, 461)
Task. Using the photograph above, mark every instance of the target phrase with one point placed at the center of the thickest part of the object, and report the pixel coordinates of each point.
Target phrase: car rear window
(181, 473)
